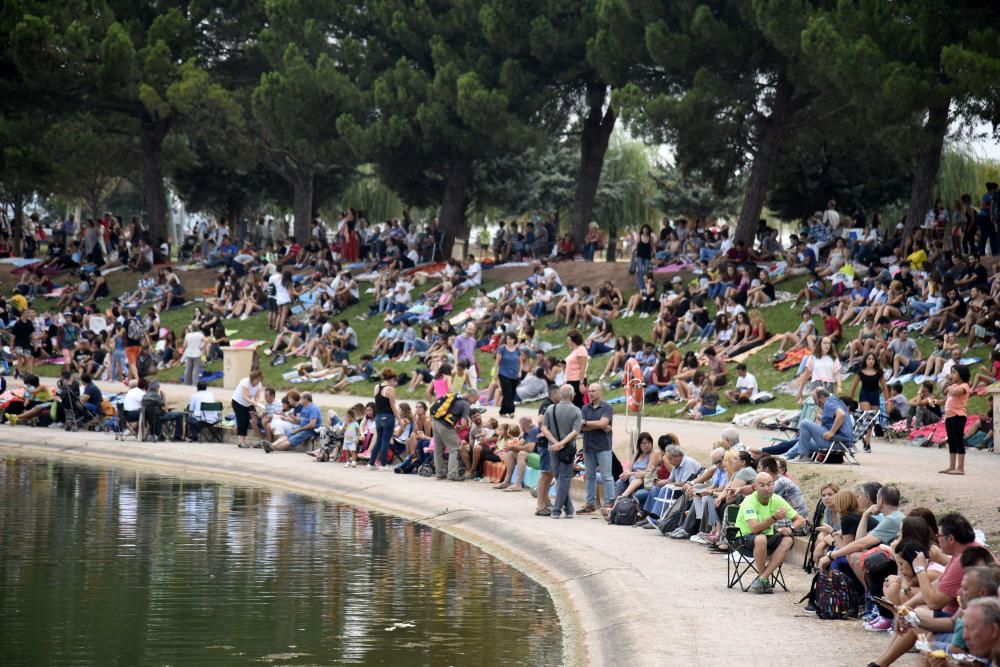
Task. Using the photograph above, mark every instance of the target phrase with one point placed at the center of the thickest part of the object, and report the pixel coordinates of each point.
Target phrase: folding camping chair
(214, 430)
(125, 428)
(862, 422)
(739, 563)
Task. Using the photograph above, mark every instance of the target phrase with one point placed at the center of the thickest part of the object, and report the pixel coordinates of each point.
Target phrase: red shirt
(831, 326)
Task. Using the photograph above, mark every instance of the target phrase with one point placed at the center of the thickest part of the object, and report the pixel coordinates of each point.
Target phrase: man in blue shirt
(310, 419)
(835, 422)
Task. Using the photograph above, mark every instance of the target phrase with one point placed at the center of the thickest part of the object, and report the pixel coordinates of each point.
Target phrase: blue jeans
(598, 348)
(706, 254)
(641, 269)
(592, 461)
(921, 308)
(119, 365)
(385, 422)
(810, 440)
(588, 251)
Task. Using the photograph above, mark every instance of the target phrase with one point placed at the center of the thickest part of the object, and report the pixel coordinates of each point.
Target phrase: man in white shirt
(197, 417)
(474, 275)
(132, 403)
(831, 217)
(746, 386)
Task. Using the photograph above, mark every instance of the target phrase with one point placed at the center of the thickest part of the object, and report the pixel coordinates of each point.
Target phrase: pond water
(114, 567)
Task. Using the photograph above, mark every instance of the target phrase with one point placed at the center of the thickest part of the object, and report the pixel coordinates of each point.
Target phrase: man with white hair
(732, 436)
(561, 427)
(982, 627)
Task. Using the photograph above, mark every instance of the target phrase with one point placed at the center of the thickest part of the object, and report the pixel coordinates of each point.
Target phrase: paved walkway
(624, 595)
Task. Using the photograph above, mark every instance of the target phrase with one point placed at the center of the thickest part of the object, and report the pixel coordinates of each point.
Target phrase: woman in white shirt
(822, 369)
(244, 402)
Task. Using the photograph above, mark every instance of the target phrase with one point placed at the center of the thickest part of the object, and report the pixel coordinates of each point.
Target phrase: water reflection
(109, 567)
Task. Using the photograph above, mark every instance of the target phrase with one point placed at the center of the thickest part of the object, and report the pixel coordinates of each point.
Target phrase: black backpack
(834, 596)
(624, 512)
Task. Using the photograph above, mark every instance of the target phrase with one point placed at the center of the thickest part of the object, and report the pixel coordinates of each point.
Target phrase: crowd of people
(893, 288)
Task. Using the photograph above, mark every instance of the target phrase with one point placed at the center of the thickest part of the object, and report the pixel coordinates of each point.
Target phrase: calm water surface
(112, 567)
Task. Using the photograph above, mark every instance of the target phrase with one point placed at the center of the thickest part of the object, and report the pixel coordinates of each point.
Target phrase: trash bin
(237, 362)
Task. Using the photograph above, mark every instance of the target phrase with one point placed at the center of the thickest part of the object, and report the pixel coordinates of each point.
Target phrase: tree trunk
(597, 129)
(17, 224)
(302, 203)
(154, 195)
(454, 204)
(762, 169)
(928, 164)
(234, 210)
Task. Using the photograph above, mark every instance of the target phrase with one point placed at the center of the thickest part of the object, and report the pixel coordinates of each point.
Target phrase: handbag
(633, 265)
(568, 453)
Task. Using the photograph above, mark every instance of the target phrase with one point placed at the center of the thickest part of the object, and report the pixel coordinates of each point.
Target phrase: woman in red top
(955, 415)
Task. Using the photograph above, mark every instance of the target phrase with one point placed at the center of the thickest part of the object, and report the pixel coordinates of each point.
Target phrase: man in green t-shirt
(758, 513)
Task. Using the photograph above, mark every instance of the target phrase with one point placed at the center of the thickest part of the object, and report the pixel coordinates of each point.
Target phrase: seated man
(982, 628)
(746, 386)
(835, 422)
(683, 469)
(310, 419)
(155, 405)
(757, 537)
(91, 394)
(196, 417)
(291, 336)
(980, 581)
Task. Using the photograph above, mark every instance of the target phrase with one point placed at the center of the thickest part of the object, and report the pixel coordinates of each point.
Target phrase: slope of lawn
(779, 318)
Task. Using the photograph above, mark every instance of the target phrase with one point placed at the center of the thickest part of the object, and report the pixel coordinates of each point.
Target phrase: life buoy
(633, 385)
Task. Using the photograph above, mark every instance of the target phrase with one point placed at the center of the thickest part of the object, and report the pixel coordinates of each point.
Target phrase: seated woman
(742, 331)
(37, 402)
(894, 307)
(761, 291)
(803, 336)
(702, 522)
(645, 302)
(829, 524)
(757, 337)
(815, 289)
(601, 339)
(690, 392)
(838, 257)
(659, 379)
(618, 356)
(634, 473)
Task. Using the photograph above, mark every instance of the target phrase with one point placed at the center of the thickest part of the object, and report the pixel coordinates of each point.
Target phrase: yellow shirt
(917, 259)
(19, 302)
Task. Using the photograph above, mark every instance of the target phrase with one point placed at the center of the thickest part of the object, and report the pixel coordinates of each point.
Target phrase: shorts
(869, 397)
(132, 353)
(911, 366)
(351, 446)
(272, 305)
(544, 464)
(746, 543)
(23, 351)
(300, 437)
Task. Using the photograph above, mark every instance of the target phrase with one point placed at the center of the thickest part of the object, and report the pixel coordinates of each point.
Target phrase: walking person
(873, 389)
(386, 414)
(596, 427)
(508, 371)
(576, 364)
(955, 416)
(244, 402)
(562, 425)
(194, 348)
(446, 437)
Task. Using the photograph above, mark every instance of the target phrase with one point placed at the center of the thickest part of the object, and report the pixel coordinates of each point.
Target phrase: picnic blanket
(19, 261)
(743, 356)
(935, 434)
(209, 377)
(673, 267)
(792, 358)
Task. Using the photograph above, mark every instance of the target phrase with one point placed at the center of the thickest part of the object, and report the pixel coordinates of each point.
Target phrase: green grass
(779, 318)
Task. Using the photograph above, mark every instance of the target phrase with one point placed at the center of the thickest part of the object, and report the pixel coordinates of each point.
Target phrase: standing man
(464, 348)
(136, 337)
(445, 434)
(542, 507)
(562, 425)
(597, 417)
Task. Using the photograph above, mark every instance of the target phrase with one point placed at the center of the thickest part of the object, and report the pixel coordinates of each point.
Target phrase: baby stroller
(76, 416)
(186, 252)
(330, 439)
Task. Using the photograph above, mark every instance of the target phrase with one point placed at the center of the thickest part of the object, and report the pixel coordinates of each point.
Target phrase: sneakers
(758, 586)
(353, 464)
(809, 608)
(870, 613)
(587, 509)
(267, 447)
(679, 534)
(698, 539)
(347, 464)
(370, 467)
(880, 624)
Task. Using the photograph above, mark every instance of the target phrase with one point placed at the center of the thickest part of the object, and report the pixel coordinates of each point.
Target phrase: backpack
(834, 596)
(441, 409)
(135, 329)
(624, 512)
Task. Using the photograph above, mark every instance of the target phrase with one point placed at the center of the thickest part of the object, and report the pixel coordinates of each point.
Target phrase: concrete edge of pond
(596, 618)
